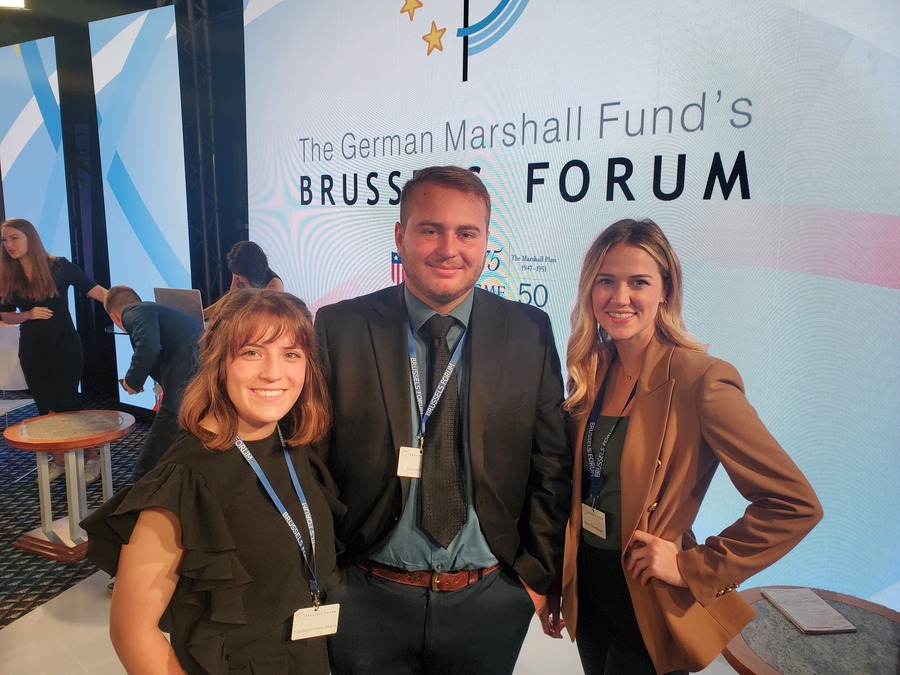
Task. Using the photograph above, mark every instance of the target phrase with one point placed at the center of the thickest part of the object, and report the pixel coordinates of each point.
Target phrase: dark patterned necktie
(443, 500)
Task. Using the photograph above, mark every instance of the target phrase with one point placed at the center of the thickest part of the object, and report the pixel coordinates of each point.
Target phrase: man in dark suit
(446, 553)
(165, 348)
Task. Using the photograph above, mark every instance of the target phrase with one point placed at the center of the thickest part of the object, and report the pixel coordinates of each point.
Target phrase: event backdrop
(135, 64)
(762, 136)
(32, 170)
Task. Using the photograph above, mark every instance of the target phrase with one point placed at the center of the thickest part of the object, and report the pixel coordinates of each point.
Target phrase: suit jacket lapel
(644, 438)
(488, 334)
(387, 325)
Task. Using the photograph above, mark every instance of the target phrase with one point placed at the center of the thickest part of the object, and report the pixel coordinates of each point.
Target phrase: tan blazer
(690, 415)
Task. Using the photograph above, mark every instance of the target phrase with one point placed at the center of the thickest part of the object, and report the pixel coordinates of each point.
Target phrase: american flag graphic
(396, 268)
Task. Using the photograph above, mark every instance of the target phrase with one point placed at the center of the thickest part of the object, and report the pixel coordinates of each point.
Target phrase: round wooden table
(70, 433)
(771, 645)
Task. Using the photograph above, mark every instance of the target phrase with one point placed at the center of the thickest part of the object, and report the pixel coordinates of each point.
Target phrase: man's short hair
(455, 177)
(118, 298)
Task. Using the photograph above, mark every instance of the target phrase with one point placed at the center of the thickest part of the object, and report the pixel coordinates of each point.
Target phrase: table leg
(43, 472)
(82, 487)
(75, 493)
(106, 471)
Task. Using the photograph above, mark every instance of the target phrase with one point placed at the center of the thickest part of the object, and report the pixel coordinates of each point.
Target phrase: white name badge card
(410, 463)
(593, 520)
(315, 621)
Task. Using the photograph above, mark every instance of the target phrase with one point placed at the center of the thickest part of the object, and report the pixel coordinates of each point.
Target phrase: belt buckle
(435, 581)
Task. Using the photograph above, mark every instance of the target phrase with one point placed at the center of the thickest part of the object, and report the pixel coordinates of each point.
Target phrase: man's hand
(547, 609)
(129, 389)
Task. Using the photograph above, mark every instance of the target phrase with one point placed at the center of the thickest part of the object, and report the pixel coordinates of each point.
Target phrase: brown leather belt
(436, 581)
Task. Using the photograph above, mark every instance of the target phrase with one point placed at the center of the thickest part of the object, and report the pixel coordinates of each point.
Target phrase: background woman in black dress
(198, 545)
(249, 268)
(49, 347)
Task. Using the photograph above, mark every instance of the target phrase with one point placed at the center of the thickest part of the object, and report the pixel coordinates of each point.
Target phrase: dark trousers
(608, 639)
(386, 628)
(159, 439)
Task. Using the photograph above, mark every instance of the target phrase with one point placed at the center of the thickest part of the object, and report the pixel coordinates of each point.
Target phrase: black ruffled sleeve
(208, 600)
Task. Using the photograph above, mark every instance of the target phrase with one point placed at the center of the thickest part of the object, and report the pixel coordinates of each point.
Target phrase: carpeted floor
(27, 580)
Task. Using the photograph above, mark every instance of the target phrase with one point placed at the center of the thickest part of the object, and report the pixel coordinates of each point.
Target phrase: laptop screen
(186, 300)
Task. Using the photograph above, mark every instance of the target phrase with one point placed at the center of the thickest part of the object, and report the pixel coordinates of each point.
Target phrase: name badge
(593, 520)
(315, 621)
(410, 463)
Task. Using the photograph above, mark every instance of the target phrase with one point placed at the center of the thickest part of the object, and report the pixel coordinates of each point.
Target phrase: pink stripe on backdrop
(852, 245)
(348, 288)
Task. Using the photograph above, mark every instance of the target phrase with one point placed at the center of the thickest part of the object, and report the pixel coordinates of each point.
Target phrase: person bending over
(249, 268)
(165, 348)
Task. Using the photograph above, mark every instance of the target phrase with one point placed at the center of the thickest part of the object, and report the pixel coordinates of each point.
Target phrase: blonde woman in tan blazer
(652, 417)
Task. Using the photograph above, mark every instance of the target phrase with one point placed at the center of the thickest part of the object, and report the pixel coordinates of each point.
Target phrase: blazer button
(658, 464)
(652, 507)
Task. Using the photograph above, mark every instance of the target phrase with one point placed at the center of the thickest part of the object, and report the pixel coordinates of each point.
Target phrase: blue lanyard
(596, 465)
(257, 469)
(424, 413)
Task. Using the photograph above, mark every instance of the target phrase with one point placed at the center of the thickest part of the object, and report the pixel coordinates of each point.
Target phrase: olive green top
(610, 498)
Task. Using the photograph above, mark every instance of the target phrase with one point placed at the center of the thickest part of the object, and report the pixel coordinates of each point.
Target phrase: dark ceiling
(52, 17)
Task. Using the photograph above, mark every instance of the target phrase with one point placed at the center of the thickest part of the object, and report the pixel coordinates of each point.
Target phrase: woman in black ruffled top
(199, 547)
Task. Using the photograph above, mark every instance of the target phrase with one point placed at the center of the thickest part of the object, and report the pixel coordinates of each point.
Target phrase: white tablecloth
(11, 377)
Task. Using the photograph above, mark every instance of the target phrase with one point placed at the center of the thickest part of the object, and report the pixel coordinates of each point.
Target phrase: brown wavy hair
(590, 348)
(13, 282)
(262, 316)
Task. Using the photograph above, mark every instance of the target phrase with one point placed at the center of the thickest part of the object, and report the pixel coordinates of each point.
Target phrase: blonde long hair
(13, 281)
(254, 315)
(590, 348)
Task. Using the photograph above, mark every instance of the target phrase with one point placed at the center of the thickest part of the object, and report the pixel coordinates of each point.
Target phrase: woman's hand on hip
(649, 557)
(40, 313)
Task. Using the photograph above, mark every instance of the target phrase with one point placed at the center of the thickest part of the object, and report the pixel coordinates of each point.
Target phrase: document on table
(807, 611)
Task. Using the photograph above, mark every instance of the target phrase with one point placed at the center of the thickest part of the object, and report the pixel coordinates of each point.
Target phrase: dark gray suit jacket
(521, 468)
(165, 348)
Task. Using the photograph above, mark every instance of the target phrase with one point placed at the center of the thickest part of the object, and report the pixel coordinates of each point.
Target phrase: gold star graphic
(433, 38)
(410, 7)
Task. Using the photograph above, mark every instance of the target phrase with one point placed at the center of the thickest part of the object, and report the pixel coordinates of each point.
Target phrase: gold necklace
(622, 368)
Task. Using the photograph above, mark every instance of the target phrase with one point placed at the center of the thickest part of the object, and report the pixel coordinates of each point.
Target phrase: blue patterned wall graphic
(138, 93)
